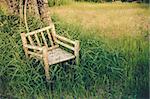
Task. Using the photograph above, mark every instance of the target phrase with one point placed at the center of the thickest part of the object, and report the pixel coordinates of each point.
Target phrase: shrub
(58, 2)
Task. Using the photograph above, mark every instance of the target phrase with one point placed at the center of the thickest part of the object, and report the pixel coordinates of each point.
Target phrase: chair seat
(59, 55)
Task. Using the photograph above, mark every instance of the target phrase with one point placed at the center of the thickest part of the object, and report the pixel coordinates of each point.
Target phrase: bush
(97, 1)
(58, 2)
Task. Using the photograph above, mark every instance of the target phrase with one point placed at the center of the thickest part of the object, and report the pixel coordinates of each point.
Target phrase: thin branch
(25, 16)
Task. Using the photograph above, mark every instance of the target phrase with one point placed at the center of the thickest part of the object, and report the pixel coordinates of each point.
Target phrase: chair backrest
(42, 37)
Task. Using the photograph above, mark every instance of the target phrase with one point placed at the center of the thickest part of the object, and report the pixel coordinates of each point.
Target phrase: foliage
(58, 2)
(106, 70)
(146, 1)
(97, 1)
(64, 2)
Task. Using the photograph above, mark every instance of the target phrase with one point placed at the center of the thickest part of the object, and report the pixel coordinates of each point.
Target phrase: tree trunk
(13, 6)
(21, 9)
(44, 12)
(33, 8)
(36, 8)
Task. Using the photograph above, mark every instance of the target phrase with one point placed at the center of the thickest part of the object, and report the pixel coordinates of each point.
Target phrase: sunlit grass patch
(111, 19)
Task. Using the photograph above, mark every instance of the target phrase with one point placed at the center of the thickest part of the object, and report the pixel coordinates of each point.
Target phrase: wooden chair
(46, 45)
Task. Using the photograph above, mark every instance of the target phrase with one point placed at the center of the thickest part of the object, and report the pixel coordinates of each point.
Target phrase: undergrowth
(58, 2)
(108, 68)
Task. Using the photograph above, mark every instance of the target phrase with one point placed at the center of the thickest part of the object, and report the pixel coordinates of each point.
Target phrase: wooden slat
(53, 32)
(24, 42)
(37, 39)
(65, 39)
(50, 38)
(53, 29)
(35, 54)
(44, 39)
(30, 40)
(39, 30)
(34, 47)
(65, 45)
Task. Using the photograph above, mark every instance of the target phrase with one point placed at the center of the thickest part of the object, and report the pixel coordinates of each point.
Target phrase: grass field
(114, 40)
(120, 28)
(111, 19)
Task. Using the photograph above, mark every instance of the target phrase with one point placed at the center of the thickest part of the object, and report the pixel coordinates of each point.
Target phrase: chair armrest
(35, 52)
(34, 47)
(61, 38)
(65, 45)
(72, 45)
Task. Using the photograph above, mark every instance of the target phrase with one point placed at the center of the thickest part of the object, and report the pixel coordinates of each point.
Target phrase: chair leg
(45, 59)
(77, 60)
(76, 52)
(46, 67)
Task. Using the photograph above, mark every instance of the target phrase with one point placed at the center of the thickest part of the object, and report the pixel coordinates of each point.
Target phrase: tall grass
(16, 71)
(108, 68)
(109, 19)
(112, 65)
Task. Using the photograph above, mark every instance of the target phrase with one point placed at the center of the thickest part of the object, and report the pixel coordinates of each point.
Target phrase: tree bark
(13, 6)
(44, 12)
(21, 9)
(33, 8)
(36, 8)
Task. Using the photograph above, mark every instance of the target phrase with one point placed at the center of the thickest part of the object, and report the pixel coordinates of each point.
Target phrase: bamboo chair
(44, 44)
